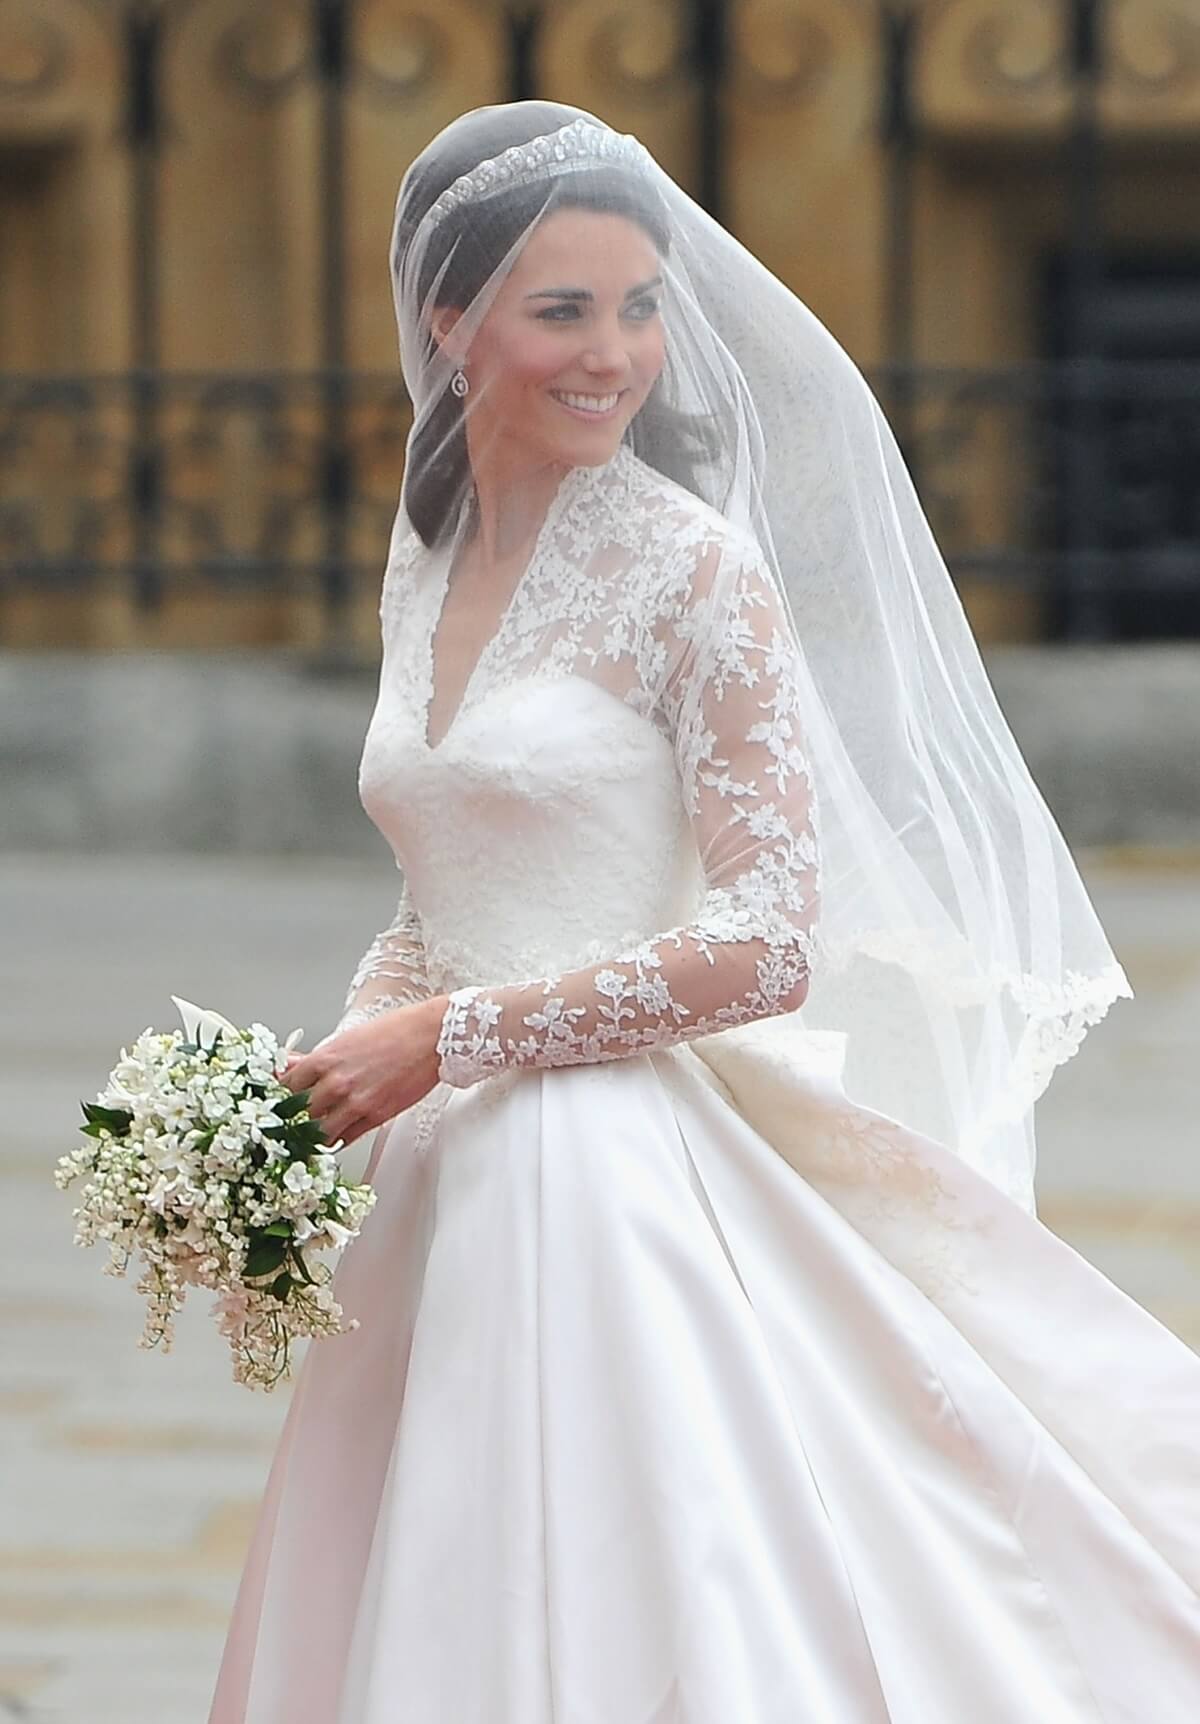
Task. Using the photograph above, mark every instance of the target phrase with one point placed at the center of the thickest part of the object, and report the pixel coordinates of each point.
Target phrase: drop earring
(459, 383)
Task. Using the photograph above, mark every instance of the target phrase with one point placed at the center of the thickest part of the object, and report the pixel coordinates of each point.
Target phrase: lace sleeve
(390, 973)
(733, 706)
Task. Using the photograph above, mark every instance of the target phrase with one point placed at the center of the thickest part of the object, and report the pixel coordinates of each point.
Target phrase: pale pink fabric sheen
(640, 1428)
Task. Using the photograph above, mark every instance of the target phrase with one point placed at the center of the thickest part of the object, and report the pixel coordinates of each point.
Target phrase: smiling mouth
(592, 406)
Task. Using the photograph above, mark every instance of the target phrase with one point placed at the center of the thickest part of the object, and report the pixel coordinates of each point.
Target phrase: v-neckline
(554, 511)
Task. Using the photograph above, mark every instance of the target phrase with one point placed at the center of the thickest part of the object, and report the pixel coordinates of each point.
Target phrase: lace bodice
(612, 846)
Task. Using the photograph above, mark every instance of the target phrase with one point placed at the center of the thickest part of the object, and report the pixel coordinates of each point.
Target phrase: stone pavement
(130, 1479)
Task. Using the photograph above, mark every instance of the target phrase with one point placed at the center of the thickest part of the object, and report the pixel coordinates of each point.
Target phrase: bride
(713, 1366)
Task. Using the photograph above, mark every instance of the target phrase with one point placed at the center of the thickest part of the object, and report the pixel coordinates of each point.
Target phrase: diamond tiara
(554, 152)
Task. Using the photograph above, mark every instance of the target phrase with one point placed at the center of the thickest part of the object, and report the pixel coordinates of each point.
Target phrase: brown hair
(438, 469)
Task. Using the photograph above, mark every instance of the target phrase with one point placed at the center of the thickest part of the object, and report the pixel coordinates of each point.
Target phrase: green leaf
(264, 1255)
(279, 1229)
(117, 1119)
(293, 1103)
(282, 1285)
(301, 1136)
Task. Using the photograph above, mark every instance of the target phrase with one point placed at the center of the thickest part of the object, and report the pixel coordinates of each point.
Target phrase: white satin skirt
(686, 1398)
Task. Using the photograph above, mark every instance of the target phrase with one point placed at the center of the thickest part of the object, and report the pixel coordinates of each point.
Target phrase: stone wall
(247, 752)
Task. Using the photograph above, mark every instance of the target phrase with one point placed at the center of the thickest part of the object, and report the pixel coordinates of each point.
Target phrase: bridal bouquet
(205, 1164)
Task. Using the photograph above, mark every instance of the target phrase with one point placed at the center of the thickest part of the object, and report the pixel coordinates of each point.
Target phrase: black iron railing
(1074, 481)
(287, 480)
(1071, 477)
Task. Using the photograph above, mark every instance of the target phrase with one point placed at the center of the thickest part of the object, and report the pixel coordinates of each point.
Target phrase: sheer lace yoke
(622, 853)
(438, 656)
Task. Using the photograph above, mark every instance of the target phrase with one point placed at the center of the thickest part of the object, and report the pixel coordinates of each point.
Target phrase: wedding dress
(688, 1389)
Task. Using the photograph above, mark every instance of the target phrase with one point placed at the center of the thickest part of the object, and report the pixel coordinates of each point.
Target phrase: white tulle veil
(956, 947)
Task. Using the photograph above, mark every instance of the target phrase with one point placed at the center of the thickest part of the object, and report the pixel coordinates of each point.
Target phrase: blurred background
(993, 204)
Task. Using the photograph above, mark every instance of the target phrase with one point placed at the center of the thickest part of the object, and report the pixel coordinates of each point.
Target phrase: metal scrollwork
(1155, 50)
(241, 459)
(266, 53)
(35, 56)
(65, 450)
(783, 57)
(290, 479)
(238, 459)
(416, 49)
(994, 450)
(642, 50)
(1018, 48)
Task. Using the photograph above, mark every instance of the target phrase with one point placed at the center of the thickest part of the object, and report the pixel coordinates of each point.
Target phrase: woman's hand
(370, 1073)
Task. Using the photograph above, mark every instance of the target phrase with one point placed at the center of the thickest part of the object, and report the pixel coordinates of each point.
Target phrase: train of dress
(688, 1392)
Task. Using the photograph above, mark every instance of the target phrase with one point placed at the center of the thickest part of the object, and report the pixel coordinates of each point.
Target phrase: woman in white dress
(713, 1366)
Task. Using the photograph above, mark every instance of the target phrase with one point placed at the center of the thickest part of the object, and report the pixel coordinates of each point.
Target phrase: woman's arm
(734, 707)
(390, 973)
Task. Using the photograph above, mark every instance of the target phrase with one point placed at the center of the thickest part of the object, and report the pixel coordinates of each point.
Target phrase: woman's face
(573, 342)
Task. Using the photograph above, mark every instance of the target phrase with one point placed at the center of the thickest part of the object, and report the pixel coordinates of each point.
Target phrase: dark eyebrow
(585, 293)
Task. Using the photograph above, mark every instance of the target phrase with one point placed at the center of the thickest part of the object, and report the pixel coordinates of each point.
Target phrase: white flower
(165, 1151)
(175, 1113)
(325, 1172)
(298, 1178)
(186, 1161)
(224, 1153)
(122, 1094)
(158, 1194)
(254, 1113)
(188, 1197)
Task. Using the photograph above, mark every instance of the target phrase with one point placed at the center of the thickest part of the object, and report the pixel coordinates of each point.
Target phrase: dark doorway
(41, 272)
(1142, 435)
